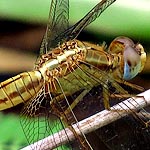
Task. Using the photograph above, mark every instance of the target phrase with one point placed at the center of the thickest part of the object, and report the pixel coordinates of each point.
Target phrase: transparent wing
(58, 22)
(30, 118)
(74, 31)
(57, 28)
(38, 122)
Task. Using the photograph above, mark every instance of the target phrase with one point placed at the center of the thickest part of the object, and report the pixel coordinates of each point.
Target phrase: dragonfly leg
(106, 96)
(74, 103)
(58, 98)
(81, 139)
(77, 100)
(67, 117)
(124, 94)
(145, 117)
(119, 88)
(133, 86)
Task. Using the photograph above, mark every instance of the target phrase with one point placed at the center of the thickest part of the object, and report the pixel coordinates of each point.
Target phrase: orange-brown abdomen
(20, 89)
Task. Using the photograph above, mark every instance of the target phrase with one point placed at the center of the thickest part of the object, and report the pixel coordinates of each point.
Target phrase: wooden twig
(92, 123)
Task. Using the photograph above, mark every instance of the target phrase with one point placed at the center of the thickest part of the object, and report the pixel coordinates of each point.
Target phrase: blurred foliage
(11, 133)
(129, 18)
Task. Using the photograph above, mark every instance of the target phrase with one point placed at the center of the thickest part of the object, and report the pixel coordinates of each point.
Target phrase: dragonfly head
(133, 56)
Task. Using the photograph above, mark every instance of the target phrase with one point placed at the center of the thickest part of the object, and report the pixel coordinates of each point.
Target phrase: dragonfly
(66, 71)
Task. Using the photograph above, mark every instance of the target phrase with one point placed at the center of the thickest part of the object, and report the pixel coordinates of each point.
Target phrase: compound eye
(132, 63)
(125, 40)
(118, 44)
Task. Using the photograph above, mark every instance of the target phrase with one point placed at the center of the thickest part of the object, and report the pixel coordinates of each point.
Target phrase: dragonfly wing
(58, 22)
(94, 13)
(57, 30)
(38, 122)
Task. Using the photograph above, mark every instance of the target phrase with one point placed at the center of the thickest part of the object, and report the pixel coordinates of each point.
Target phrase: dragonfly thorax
(61, 60)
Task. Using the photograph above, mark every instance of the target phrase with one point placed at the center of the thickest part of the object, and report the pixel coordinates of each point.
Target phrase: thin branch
(94, 122)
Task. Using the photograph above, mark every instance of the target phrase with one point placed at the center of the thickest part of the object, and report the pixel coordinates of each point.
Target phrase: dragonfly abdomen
(19, 88)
